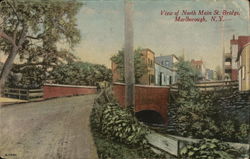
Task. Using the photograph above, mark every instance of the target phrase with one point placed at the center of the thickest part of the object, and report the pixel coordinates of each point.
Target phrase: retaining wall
(56, 90)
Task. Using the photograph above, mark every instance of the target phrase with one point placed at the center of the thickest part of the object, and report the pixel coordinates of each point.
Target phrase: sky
(101, 23)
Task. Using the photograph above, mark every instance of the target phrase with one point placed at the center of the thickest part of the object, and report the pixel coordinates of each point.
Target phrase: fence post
(19, 93)
(27, 93)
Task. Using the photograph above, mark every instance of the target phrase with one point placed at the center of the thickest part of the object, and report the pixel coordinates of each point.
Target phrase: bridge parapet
(153, 98)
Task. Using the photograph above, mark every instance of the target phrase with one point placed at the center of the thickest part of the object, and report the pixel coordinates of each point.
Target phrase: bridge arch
(150, 117)
(151, 113)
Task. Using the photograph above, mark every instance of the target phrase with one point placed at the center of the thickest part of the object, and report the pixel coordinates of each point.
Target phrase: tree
(36, 28)
(81, 73)
(139, 64)
(195, 111)
(187, 76)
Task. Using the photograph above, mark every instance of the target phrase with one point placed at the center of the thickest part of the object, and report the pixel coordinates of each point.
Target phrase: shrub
(194, 121)
(208, 149)
(120, 125)
(81, 73)
(243, 133)
(115, 122)
(227, 129)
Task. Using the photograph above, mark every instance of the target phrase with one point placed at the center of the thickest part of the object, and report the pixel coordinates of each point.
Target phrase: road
(52, 129)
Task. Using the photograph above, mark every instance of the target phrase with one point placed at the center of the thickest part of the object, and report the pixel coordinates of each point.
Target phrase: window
(167, 63)
(152, 79)
(243, 73)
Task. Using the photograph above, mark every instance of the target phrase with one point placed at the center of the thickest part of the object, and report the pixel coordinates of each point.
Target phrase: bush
(116, 131)
(194, 121)
(243, 133)
(81, 73)
(227, 129)
(120, 125)
(209, 149)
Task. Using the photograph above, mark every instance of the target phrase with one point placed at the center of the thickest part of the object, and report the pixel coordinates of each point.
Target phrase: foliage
(186, 74)
(210, 119)
(200, 115)
(196, 121)
(81, 73)
(120, 125)
(208, 149)
(195, 111)
(231, 130)
(27, 77)
(32, 30)
(140, 65)
(243, 133)
(109, 149)
(228, 129)
(117, 147)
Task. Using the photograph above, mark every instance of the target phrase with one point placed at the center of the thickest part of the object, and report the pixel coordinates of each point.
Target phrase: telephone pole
(129, 54)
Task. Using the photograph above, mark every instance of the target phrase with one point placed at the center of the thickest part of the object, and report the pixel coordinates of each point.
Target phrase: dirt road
(52, 129)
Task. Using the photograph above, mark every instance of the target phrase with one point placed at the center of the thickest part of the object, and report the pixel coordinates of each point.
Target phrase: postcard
(124, 79)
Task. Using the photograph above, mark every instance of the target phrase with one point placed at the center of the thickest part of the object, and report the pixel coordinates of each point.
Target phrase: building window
(152, 79)
(243, 73)
(167, 63)
(170, 80)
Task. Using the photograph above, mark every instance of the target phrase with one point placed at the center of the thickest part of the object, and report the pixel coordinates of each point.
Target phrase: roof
(171, 69)
(147, 49)
(240, 51)
(173, 55)
(196, 62)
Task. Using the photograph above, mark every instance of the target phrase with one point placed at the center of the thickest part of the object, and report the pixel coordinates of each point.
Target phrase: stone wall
(234, 103)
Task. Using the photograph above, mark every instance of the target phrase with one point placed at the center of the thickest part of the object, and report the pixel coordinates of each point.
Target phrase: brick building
(149, 77)
(149, 58)
(199, 65)
(230, 64)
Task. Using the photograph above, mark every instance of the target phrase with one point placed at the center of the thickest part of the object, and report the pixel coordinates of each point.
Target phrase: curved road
(52, 129)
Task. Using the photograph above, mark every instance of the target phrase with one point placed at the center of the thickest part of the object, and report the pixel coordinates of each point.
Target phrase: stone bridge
(151, 102)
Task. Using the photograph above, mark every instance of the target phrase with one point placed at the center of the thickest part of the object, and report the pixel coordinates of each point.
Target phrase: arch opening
(149, 117)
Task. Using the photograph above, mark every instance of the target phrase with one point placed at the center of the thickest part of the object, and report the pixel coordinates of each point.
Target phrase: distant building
(210, 74)
(164, 75)
(243, 61)
(149, 58)
(148, 78)
(168, 62)
(199, 65)
(230, 64)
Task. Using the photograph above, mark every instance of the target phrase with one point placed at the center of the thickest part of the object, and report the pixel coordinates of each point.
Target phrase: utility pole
(129, 54)
(223, 47)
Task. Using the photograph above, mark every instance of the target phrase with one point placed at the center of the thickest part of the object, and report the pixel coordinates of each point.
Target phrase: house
(199, 65)
(148, 78)
(167, 63)
(149, 58)
(229, 63)
(243, 62)
(164, 75)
